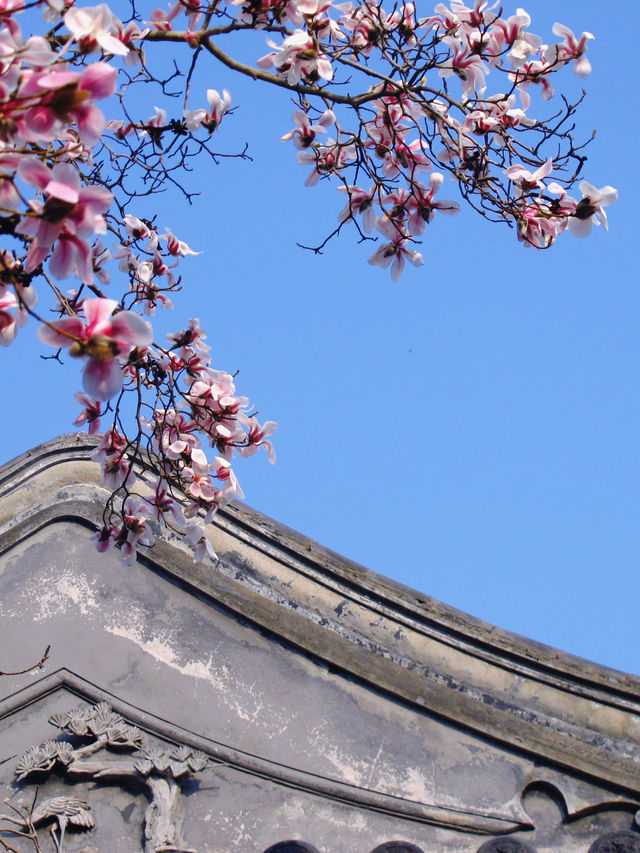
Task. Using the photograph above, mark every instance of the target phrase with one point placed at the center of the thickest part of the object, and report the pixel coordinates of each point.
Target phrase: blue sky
(471, 431)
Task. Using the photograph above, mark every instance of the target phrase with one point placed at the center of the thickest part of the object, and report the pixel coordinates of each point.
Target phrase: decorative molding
(510, 819)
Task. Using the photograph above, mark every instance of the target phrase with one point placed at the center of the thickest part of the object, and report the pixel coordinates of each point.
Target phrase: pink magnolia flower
(196, 536)
(396, 252)
(537, 227)
(90, 415)
(102, 340)
(163, 505)
(410, 157)
(127, 34)
(590, 209)
(367, 23)
(175, 246)
(360, 201)
(161, 20)
(91, 27)
(572, 49)
(508, 32)
(529, 180)
(464, 64)
(211, 118)
(305, 132)
(8, 324)
(221, 469)
(191, 337)
(135, 530)
(327, 159)
(70, 214)
(154, 124)
(296, 58)
(481, 14)
(403, 21)
(67, 97)
(421, 207)
(534, 72)
(120, 128)
(139, 230)
(110, 453)
(256, 437)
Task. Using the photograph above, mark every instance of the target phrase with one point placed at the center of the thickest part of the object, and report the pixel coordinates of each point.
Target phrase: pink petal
(132, 328)
(34, 172)
(99, 79)
(98, 312)
(73, 326)
(102, 379)
(56, 79)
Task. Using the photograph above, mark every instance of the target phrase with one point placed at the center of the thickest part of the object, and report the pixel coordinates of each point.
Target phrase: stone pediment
(330, 705)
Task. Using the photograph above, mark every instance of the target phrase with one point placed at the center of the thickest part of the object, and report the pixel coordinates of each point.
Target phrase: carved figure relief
(99, 745)
(62, 810)
(116, 752)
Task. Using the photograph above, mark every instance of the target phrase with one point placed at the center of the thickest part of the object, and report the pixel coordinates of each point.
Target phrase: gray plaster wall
(335, 708)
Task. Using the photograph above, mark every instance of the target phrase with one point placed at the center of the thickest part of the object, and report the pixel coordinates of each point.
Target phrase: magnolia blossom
(466, 65)
(196, 535)
(90, 415)
(8, 321)
(296, 58)
(572, 49)
(102, 340)
(590, 209)
(92, 28)
(257, 437)
(360, 201)
(64, 97)
(327, 159)
(396, 252)
(133, 532)
(421, 207)
(63, 194)
(69, 215)
(211, 118)
(111, 454)
(529, 180)
(305, 132)
(537, 226)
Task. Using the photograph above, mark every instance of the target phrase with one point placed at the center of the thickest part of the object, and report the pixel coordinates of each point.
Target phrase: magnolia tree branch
(28, 669)
(388, 104)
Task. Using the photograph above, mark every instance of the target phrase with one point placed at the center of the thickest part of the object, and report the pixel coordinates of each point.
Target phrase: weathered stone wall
(284, 693)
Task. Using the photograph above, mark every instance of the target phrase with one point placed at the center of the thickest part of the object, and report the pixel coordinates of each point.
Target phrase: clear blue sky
(471, 431)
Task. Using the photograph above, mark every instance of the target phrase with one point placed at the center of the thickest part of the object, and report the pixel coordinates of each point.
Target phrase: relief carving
(61, 810)
(506, 845)
(116, 752)
(617, 842)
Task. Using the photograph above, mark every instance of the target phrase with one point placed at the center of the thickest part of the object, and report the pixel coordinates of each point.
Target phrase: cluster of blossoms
(58, 206)
(406, 126)
(389, 104)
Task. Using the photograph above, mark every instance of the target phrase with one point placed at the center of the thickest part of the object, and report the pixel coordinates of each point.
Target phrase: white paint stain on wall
(245, 700)
(58, 593)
